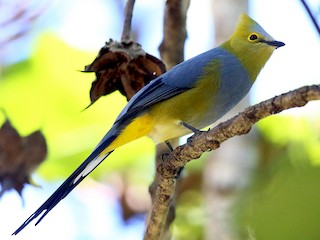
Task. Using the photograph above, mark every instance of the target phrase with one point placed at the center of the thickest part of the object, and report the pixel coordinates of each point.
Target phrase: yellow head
(252, 45)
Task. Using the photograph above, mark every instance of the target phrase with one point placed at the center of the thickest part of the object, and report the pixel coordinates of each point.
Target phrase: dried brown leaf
(19, 157)
(122, 66)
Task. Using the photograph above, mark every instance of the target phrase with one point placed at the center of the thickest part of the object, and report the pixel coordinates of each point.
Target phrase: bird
(192, 95)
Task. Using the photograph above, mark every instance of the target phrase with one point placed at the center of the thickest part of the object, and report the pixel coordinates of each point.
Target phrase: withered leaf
(122, 66)
(19, 157)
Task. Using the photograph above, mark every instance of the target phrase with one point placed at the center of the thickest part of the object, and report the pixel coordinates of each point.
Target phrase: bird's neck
(252, 59)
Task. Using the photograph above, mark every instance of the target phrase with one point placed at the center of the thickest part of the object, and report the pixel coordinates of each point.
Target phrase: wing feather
(179, 79)
(156, 92)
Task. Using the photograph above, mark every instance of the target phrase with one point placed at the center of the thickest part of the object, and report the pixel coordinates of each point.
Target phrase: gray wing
(176, 81)
(156, 91)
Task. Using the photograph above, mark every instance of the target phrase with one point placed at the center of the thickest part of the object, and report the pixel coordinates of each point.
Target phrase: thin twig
(314, 21)
(126, 32)
(241, 124)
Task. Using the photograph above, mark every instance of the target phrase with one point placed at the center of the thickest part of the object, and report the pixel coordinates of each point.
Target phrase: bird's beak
(276, 44)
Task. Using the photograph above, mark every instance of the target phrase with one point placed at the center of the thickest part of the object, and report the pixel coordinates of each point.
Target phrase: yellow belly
(139, 127)
(168, 130)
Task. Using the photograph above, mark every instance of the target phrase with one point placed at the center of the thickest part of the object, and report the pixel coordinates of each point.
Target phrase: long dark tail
(76, 177)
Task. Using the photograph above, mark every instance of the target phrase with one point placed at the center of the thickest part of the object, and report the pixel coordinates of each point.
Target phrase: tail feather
(76, 177)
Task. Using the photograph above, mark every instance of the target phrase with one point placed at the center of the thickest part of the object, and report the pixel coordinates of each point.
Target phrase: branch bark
(202, 142)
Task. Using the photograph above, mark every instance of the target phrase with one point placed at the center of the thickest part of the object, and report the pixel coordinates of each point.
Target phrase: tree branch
(174, 32)
(313, 19)
(241, 124)
(127, 21)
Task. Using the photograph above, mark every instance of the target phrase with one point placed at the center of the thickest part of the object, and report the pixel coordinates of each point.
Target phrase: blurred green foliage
(190, 216)
(283, 201)
(300, 136)
(49, 92)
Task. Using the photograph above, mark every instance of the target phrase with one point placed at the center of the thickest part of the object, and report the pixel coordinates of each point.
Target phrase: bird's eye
(253, 37)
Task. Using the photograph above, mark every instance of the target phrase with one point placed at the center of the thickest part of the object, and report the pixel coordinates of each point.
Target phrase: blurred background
(260, 186)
